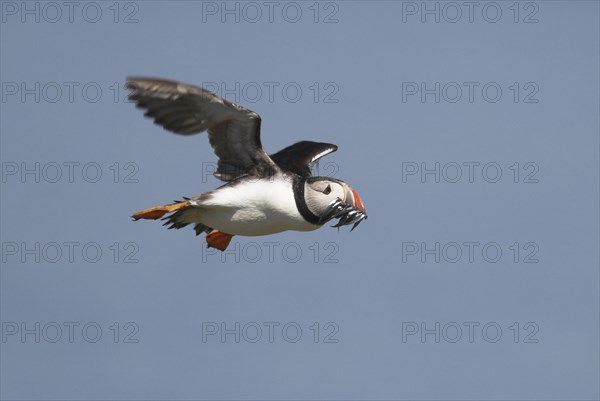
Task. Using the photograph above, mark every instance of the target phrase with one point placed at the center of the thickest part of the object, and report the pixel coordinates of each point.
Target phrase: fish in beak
(350, 210)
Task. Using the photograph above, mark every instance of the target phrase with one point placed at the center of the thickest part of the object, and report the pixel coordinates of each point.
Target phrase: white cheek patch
(340, 193)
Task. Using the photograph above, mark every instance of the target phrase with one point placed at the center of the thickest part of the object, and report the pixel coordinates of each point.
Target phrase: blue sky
(470, 132)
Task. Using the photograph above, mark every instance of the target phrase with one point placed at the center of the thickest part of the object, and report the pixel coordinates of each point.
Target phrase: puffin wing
(233, 131)
(298, 158)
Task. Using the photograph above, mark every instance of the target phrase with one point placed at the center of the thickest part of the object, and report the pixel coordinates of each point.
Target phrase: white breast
(254, 207)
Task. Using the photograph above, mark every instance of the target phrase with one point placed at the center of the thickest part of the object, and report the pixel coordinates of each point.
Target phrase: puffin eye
(327, 190)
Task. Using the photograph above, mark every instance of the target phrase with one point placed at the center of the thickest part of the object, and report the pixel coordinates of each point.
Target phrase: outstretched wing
(233, 131)
(298, 157)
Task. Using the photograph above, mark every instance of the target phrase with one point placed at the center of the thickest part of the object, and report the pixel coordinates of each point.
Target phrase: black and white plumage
(263, 194)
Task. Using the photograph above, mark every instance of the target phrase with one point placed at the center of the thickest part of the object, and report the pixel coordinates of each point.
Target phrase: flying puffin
(264, 194)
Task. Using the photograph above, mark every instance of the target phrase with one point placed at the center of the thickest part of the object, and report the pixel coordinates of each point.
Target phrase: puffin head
(328, 198)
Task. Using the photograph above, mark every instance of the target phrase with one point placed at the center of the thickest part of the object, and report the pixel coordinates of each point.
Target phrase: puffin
(263, 194)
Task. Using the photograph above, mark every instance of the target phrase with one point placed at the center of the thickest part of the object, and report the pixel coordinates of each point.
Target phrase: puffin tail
(183, 214)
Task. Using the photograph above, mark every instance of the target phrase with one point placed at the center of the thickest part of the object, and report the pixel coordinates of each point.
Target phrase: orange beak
(358, 202)
(350, 210)
(353, 198)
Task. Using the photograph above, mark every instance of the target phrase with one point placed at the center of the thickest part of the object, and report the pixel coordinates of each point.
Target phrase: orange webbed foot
(217, 239)
(157, 212)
